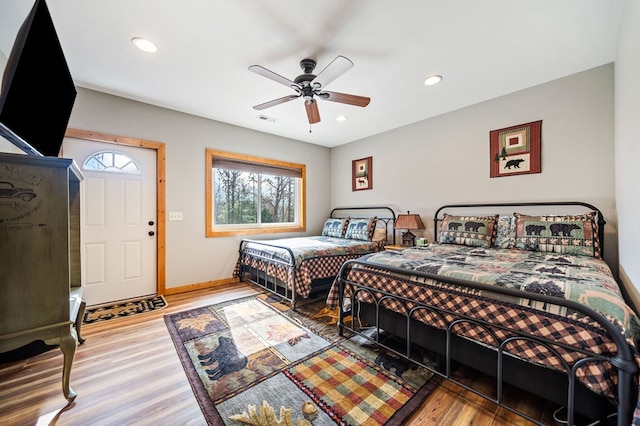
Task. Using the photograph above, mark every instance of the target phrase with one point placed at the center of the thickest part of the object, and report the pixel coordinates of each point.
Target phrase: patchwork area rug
(123, 308)
(254, 360)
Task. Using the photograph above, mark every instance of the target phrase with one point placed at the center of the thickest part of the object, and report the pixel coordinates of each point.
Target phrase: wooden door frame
(160, 149)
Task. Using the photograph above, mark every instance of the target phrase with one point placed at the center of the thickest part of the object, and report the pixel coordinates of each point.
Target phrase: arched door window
(112, 162)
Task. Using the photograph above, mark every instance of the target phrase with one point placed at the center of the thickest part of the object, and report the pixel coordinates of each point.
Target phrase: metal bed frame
(271, 283)
(491, 359)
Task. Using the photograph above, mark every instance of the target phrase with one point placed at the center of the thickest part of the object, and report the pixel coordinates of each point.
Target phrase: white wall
(418, 167)
(3, 62)
(5, 145)
(627, 144)
(191, 257)
(446, 159)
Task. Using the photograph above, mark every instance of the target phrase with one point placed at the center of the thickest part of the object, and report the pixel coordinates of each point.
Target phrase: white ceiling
(483, 48)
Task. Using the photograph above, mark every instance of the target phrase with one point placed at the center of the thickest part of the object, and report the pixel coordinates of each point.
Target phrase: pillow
(379, 234)
(473, 231)
(572, 234)
(361, 229)
(335, 228)
(506, 234)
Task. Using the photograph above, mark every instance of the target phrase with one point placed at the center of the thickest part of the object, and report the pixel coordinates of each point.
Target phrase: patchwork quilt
(582, 279)
(313, 258)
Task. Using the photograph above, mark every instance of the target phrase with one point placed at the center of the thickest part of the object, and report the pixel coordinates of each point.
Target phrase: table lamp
(408, 221)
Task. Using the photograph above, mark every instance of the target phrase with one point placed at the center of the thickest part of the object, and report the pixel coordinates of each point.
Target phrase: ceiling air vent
(265, 118)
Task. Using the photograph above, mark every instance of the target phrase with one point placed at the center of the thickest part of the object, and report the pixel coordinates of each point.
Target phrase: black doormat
(123, 308)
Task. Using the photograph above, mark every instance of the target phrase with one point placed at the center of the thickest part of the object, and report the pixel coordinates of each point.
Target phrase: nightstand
(396, 247)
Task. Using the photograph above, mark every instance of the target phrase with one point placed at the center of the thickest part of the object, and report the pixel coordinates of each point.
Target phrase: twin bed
(522, 297)
(301, 267)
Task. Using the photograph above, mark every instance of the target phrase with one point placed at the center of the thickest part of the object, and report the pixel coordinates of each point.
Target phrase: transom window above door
(112, 162)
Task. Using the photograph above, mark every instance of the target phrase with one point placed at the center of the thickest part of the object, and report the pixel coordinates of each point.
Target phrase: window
(112, 162)
(250, 195)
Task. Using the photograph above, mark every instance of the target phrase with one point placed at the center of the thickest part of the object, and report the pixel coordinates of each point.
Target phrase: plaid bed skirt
(305, 273)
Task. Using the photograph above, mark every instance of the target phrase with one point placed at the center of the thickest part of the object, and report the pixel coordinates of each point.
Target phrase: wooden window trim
(210, 232)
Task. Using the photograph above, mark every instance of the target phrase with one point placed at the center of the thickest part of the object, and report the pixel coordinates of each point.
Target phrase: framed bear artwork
(515, 150)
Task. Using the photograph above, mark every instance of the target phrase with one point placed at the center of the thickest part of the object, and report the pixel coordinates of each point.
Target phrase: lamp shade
(408, 221)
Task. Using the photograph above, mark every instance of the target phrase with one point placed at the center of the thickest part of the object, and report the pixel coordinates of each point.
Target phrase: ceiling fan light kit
(310, 87)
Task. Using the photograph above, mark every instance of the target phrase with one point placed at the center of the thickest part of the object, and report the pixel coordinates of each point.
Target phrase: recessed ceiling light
(144, 45)
(432, 79)
(342, 118)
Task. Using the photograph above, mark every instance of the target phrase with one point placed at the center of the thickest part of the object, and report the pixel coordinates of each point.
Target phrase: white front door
(118, 219)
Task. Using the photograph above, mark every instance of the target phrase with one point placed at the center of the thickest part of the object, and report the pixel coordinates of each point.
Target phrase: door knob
(151, 223)
(151, 233)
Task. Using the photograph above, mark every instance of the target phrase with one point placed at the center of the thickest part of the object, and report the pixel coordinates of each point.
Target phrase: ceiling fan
(310, 86)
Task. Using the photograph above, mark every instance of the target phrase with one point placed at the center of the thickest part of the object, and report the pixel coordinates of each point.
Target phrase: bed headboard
(386, 217)
(533, 208)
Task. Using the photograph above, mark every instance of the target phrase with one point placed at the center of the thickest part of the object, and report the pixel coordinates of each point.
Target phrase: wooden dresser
(40, 284)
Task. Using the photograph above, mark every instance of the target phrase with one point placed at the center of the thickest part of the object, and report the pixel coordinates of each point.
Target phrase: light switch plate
(175, 215)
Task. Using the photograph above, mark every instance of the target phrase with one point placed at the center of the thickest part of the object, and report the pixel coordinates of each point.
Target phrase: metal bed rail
(263, 278)
(386, 220)
(623, 361)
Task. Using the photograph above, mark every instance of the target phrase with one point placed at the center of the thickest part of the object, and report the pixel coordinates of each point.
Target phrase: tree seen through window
(239, 196)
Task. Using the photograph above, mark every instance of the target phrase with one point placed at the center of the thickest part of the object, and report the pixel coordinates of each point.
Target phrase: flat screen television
(37, 93)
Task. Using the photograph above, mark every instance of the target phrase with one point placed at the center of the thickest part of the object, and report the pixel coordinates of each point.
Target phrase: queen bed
(303, 266)
(524, 298)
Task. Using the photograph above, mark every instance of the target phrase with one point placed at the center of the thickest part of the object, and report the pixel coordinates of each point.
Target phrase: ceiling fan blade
(272, 75)
(344, 98)
(276, 102)
(335, 69)
(312, 112)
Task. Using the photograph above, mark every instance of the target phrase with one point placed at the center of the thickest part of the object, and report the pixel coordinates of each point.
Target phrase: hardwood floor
(127, 373)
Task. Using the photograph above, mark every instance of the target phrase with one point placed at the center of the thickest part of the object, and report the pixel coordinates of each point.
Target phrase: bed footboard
(277, 270)
(500, 337)
(268, 272)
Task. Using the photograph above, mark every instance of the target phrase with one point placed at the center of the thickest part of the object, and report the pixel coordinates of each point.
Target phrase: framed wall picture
(362, 174)
(515, 150)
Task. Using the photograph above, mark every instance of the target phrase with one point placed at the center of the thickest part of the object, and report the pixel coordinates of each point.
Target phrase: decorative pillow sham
(573, 234)
(379, 234)
(506, 234)
(361, 229)
(335, 228)
(472, 231)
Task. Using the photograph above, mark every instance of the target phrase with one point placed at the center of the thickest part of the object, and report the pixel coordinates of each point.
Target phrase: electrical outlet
(175, 215)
